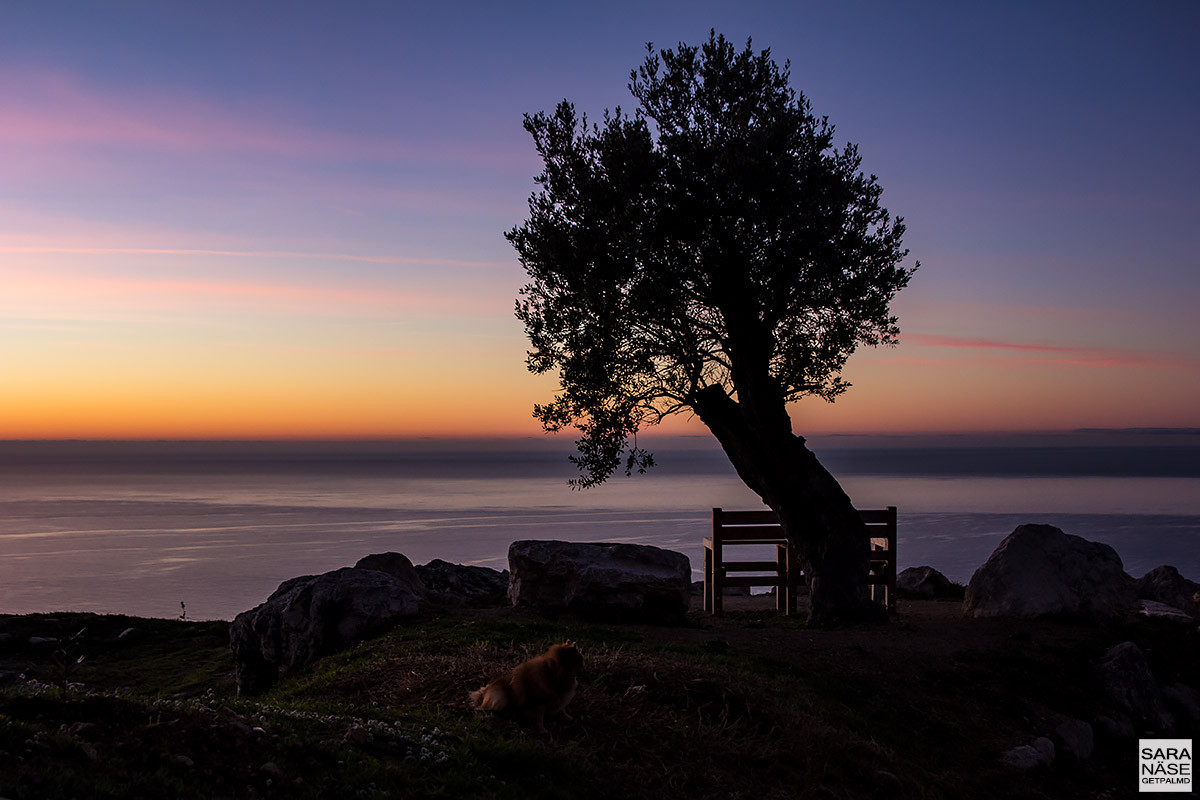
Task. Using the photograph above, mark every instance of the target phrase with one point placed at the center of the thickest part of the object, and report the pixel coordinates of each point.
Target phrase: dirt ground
(921, 632)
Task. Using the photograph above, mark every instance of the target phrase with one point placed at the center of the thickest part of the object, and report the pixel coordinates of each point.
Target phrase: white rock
(1153, 608)
(312, 616)
(600, 580)
(1040, 571)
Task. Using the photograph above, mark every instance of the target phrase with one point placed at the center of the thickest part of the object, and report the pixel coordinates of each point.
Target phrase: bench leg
(708, 580)
(783, 592)
(718, 572)
(793, 573)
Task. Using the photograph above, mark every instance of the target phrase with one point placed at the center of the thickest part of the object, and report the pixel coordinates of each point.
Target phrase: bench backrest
(764, 526)
(729, 525)
(881, 523)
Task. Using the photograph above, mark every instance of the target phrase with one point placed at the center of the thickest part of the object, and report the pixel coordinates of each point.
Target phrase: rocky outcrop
(1183, 702)
(1129, 683)
(1030, 756)
(922, 583)
(1165, 585)
(464, 584)
(442, 582)
(625, 582)
(1076, 739)
(314, 615)
(397, 565)
(1040, 571)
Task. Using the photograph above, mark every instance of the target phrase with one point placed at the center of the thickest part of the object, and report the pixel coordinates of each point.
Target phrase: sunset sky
(262, 220)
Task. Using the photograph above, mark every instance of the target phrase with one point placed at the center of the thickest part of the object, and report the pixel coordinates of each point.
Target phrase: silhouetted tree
(713, 253)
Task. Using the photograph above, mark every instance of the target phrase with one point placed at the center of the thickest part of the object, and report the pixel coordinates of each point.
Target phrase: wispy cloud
(53, 109)
(971, 343)
(49, 110)
(266, 254)
(68, 295)
(1034, 352)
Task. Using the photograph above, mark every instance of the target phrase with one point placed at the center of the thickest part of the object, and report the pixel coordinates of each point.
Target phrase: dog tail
(493, 697)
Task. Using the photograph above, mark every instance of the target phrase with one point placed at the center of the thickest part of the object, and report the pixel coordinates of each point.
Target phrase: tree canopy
(714, 241)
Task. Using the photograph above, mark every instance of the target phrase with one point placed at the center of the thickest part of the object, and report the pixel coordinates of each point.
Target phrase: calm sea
(141, 528)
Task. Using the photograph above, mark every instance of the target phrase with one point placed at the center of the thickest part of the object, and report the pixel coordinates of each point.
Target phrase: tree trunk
(817, 515)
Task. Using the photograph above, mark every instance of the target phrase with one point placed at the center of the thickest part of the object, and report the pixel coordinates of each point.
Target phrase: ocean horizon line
(1087, 455)
(1081, 435)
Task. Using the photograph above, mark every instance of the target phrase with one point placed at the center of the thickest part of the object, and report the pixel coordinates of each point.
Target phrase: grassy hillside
(751, 705)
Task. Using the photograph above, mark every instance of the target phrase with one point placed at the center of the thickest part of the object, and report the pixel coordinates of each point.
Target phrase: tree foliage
(715, 239)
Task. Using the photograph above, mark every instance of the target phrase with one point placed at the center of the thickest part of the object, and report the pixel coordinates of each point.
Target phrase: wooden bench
(762, 528)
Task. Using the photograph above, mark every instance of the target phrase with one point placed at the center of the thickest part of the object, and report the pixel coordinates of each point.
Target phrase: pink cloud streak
(43, 110)
(1081, 356)
(939, 340)
(59, 109)
(269, 254)
(69, 294)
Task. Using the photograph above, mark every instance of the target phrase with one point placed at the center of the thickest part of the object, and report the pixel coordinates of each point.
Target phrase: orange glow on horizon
(218, 354)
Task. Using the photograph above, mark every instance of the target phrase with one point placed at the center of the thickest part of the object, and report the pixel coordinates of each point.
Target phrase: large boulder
(312, 616)
(922, 583)
(625, 582)
(1076, 739)
(397, 565)
(1184, 703)
(1040, 571)
(1165, 585)
(1128, 682)
(464, 584)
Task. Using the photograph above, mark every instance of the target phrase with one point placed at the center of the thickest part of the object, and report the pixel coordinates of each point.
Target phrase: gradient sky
(255, 220)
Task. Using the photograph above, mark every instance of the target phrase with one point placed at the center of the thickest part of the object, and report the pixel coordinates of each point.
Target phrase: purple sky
(285, 219)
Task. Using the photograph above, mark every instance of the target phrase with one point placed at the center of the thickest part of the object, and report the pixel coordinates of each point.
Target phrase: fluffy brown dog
(538, 688)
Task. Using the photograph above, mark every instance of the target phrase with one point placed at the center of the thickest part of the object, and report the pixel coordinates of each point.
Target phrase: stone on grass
(1027, 757)
(888, 780)
(1077, 739)
(464, 584)
(272, 771)
(85, 730)
(314, 615)
(357, 734)
(1118, 727)
(1184, 702)
(607, 581)
(1153, 608)
(1039, 571)
(1022, 759)
(1165, 585)
(922, 583)
(1128, 682)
